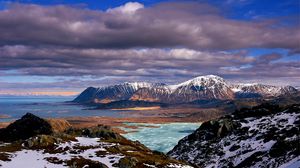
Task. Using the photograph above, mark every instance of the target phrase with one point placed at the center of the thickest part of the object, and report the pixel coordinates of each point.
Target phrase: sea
(12, 108)
(159, 137)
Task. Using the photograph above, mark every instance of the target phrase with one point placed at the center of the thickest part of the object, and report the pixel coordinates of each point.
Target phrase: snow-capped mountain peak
(199, 88)
(207, 80)
(262, 90)
(200, 81)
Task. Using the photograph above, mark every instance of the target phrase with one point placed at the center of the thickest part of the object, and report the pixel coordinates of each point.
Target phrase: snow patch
(37, 158)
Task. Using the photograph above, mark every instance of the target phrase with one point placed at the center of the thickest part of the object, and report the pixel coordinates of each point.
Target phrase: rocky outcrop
(265, 135)
(29, 125)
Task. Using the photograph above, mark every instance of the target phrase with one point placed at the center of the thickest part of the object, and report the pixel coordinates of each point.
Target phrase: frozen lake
(160, 137)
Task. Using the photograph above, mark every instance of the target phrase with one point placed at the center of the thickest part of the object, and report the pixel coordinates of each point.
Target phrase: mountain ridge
(199, 88)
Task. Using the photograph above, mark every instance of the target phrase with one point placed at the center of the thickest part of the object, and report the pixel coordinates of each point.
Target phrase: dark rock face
(214, 129)
(265, 135)
(29, 125)
(87, 95)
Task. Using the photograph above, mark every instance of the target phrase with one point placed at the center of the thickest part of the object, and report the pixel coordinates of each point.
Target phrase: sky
(60, 47)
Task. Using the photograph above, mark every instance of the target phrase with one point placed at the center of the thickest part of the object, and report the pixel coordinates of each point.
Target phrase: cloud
(129, 8)
(166, 65)
(167, 42)
(140, 62)
(174, 24)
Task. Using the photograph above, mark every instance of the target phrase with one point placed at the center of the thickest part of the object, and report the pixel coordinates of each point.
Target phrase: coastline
(153, 116)
(116, 123)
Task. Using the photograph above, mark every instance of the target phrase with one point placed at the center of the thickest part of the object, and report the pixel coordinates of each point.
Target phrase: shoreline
(116, 123)
(158, 116)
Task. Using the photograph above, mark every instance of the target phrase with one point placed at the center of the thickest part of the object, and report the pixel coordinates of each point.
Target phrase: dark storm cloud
(124, 62)
(189, 25)
(163, 65)
(268, 68)
(268, 58)
(167, 42)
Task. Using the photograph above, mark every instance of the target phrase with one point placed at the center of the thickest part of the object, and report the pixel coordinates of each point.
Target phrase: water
(12, 108)
(163, 138)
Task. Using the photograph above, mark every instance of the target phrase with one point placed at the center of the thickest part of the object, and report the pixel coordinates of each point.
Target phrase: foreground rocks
(35, 142)
(267, 135)
(29, 125)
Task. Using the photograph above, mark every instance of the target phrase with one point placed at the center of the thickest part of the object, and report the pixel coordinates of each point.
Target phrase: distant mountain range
(208, 87)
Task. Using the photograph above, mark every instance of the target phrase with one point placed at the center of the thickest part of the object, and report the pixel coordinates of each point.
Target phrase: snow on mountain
(199, 88)
(37, 157)
(204, 87)
(267, 136)
(260, 90)
(112, 93)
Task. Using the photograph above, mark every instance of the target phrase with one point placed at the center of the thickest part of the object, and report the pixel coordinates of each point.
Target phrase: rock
(269, 136)
(29, 125)
(41, 141)
(59, 125)
(99, 131)
(127, 162)
(82, 162)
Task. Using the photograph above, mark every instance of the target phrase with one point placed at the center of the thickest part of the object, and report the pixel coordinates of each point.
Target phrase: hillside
(264, 135)
(40, 141)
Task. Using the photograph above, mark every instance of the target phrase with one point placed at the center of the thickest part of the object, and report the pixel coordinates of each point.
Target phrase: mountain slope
(208, 87)
(266, 135)
(203, 87)
(111, 93)
(260, 90)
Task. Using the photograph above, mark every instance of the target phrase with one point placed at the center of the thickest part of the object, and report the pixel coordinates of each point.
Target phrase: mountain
(260, 90)
(208, 87)
(111, 93)
(202, 88)
(265, 135)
